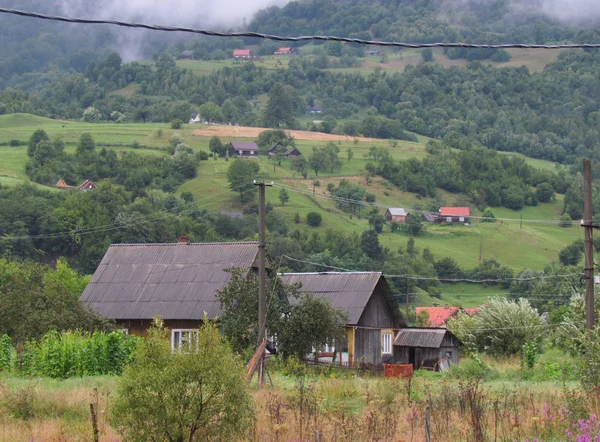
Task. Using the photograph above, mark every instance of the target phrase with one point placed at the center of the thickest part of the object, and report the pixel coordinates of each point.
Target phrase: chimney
(183, 239)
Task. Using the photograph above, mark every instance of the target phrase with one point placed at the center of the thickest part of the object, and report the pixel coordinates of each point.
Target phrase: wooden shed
(373, 315)
(396, 214)
(425, 347)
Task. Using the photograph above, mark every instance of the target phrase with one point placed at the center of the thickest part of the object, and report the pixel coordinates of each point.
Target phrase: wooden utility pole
(262, 258)
(588, 225)
(406, 318)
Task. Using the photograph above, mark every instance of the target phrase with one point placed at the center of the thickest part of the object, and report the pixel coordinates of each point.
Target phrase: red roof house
(283, 51)
(62, 185)
(472, 311)
(241, 53)
(455, 214)
(88, 185)
(438, 316)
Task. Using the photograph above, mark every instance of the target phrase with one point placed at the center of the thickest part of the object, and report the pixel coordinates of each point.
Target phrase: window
(448, 354)
(329, 348)
(185, 341)
(125, 331)
(448, 219)
(461, 219)
(386, 343)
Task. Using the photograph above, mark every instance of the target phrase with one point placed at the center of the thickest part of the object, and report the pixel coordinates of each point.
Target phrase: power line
(95, 21)
(434, 278)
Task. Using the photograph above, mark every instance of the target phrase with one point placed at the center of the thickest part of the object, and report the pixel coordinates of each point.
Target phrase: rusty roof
(175, 280)
(421, 337)
(438, 316)
(347, 291)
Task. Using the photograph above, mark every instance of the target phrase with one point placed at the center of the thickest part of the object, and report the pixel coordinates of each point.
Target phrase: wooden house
(62, 185)
(187, 55)
(241, 53)
(316, 109)
(244, 148)
(88, 185)
(292, 153)
(455, 215)
(439, 316)
(371, 53)
(430, 217)
(373, 315)
(397, 215)
(426, 347)
(177, 281)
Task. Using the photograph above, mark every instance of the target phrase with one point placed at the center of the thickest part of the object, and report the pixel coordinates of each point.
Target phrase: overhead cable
(162, 28)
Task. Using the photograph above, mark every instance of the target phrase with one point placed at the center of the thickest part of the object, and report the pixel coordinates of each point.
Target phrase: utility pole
(588, 225)
(480, 246)
(521, 221)
(262, 258)
(406, 318)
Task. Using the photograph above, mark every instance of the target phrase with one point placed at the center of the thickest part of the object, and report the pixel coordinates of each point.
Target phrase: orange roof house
(439, 316)
(241, 53)
(62, 185)
(88, 185)
(455, 214)
(283, 51)
(472, 311)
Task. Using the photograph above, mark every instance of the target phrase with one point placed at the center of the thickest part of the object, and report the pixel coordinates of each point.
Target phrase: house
(373, 315)
(372, 53)
(62, 185)
(241, 53)
(283, 51)
(426, 347)
(472, 311)
(88, 185)
(438, 316)
(195, 118)
(397, 215)
(455, 214)
(292, 153)
(244, 148)
(187, 55)
(316, 109)
(430, 217)
(177, 281)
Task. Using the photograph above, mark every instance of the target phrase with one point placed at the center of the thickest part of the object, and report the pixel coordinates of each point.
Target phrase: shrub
(196, 395)
(313, 219)
(176, 123)
(15, 143)
(5, 352)
(202, 156)
(566, 220)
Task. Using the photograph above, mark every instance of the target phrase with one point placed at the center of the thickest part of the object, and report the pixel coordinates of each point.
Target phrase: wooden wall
(139, 327)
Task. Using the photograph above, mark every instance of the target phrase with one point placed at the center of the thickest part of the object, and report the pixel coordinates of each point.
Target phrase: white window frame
(448, 219)
(191, 341)
(461, 219)
(329, 349)
(386, 342)
(125, 331)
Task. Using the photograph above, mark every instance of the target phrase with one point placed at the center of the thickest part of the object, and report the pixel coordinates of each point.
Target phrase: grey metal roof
(347, 291)
(244, 145)
(175, 281)
(397, 211)
(421, 337)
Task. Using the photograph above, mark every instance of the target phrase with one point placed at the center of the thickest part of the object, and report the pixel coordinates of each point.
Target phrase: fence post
(427, 430)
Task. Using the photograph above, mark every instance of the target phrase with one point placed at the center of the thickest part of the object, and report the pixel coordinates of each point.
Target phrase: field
(534, 245)
(510, 404)
(388, 60)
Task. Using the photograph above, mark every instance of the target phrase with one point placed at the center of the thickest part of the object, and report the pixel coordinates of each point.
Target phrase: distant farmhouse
(86, 186)
(372, 53)
(187, 55)
(316, 109)
(284, 51)
(289, 153)
(397, 215)
(241, 53)
(455, 214)
(244, 148)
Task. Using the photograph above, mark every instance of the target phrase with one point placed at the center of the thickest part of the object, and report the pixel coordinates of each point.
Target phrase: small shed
(426, 347)
(396, 214)
(62, 185)
(244, 148)
(292, 153)
(455, 214)
(88, 185)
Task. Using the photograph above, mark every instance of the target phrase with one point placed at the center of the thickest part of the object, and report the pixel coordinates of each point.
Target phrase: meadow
(493, 399)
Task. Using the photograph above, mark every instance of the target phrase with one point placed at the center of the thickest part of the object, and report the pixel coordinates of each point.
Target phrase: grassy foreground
(509, 403)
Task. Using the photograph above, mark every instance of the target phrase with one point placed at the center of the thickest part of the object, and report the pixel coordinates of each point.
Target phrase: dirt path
(253, 132)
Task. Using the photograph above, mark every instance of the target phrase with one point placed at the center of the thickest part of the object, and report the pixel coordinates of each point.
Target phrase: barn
(426, 347)
(244, 148)
(373, 315)
(396, 214)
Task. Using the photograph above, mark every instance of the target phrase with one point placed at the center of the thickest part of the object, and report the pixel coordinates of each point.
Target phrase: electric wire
(162, 28)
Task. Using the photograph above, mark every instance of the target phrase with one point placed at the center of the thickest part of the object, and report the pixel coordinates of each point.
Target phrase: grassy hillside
(534, 245)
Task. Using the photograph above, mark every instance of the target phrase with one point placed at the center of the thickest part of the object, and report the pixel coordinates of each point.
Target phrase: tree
(86, 144)
(545, 192)
(427, 55)
(216, 147)
(332, 160)
(317, 160)
(300, 165)
(423, 319)
(36, 137)
(369, 243)
(571, 255)
(313, 219)
(376, 220)
(414, 225)
(183, 395)
(279, 109)
(283, 196)
(488, 216)
(176, 123)
(211, 112)
(349, 153)
(241, 174)
(91, 115)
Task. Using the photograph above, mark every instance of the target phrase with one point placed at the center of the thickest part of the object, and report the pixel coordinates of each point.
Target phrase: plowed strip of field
(253, 132)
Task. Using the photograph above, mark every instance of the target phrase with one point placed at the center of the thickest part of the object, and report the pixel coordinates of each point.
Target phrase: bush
(176, 123)
(195, 395)
(566, 220)
(313, 219)
(5, 352)
(202, 156)
(15, 143)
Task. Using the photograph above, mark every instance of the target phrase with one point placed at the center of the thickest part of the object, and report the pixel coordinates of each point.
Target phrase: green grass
(206, 67)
